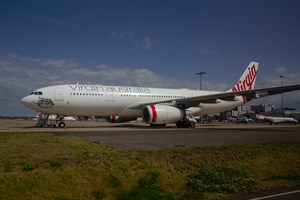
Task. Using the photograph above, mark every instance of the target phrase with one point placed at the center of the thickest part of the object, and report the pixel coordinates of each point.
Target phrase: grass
(220, 180)
(45, 166)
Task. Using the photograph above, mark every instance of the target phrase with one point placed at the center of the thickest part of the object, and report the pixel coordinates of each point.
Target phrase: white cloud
(205, 52)
(145, 43)
(148, 43)
(281, 70)
(19, 75)
(56, 63)
(48, 20)
(121, 35)
(290, 78)
(291, 99)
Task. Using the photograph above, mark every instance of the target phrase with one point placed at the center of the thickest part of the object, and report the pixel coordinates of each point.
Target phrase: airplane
(157, 106)
(275, 120)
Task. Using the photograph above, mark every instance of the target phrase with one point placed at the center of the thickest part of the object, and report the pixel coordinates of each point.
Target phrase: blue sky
(146, 43)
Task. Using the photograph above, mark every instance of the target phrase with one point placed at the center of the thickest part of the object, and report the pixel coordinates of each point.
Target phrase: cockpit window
(36, 93)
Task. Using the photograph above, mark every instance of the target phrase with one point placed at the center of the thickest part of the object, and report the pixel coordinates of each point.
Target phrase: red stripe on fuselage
(154, 114)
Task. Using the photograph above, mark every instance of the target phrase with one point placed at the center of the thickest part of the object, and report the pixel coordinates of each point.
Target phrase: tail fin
(259, 116)
(247, 80)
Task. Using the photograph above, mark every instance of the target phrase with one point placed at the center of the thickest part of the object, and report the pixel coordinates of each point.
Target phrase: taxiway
(138, 136)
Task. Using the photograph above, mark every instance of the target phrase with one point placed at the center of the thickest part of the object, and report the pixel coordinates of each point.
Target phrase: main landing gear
(158, 125)
(185, 124)
(187, 121)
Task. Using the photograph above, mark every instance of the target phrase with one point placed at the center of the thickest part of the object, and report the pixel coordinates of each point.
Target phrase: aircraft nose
(26, 101)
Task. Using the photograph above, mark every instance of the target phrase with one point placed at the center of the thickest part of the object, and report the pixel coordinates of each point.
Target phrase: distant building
(263, 108)
(241, 110)
(236, 112)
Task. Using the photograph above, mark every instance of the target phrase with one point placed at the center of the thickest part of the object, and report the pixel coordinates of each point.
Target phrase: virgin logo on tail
(246, 82)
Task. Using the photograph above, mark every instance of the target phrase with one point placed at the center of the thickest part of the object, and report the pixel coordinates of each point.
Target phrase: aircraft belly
(88, 108)
(130, 113)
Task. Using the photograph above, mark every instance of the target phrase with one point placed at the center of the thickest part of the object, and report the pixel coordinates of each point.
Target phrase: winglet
(247, 80)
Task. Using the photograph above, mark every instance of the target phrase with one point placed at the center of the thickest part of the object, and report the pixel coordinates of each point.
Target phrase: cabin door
(58, 94)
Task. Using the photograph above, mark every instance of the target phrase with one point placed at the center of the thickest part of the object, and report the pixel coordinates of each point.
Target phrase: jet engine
(119, 119)
(162, 114)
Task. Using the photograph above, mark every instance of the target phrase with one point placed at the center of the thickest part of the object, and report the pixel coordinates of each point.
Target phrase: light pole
(281, 93)
(200, 75)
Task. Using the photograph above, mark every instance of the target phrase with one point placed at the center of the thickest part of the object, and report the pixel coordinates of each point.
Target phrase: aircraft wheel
(61, 125)
(183, 124)
(179, 124)
(192, 124)
(153, 125)
(158, 125)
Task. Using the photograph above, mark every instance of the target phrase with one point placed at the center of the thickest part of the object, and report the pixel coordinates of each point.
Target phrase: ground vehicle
(243, 120)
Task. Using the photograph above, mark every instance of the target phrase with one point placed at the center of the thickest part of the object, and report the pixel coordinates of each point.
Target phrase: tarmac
(139, 136)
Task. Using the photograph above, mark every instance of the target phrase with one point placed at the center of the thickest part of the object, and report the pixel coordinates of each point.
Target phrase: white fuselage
(98, 100)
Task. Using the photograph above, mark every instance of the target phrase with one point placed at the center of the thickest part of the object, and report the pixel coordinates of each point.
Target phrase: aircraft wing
(276, 90)
(249, 94)
(227, 96)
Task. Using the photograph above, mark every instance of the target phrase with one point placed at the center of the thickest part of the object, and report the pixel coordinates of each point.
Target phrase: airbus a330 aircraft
(157, 106)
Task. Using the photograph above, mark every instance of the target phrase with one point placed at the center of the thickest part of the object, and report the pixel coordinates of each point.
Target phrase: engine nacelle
(161, 114)
(119, 119)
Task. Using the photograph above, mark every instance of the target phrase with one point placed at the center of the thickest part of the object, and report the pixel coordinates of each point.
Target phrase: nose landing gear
(49, 121)
(61, 124)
